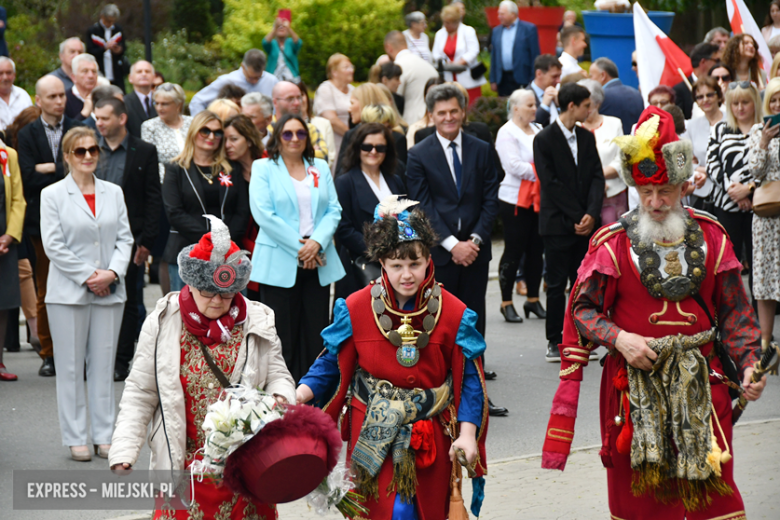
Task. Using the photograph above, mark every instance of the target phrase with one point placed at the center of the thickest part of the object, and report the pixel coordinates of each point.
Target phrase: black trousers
(301, 314)
(468, 284)
(739, 226)
(508, 84)
(521, 235)
(128, 332)
(564, 254)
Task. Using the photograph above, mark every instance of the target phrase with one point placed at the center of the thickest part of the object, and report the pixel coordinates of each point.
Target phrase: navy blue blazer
(429, 181)
(525, 51)
(623, 102)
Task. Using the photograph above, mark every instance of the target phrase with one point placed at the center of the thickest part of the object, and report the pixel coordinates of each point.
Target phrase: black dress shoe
(490, 375)
(496, 411)
(510, 314)
(47, 368)
(120, 374)
(553, 354)
(536, 308)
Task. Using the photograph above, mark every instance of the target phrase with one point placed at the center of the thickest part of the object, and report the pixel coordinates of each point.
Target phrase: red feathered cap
(204, 247)
(654, 154)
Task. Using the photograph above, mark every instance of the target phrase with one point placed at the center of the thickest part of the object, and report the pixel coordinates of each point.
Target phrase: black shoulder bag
(221, 377)
(729, 367)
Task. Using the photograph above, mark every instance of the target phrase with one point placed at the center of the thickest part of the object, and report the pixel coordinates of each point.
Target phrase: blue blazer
(623, 102)
(525, 51)
(274, 206)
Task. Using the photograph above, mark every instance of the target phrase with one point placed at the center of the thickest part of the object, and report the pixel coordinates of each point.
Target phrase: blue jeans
(177, 284)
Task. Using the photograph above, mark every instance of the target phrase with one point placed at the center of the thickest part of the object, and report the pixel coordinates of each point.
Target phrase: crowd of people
(101, 185)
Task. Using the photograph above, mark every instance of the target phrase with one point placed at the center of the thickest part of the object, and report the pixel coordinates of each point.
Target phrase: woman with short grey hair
(605, 129)
(416, 39)
(167, 132)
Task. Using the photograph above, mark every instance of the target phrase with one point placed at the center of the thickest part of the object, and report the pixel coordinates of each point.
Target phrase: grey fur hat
(215, 264)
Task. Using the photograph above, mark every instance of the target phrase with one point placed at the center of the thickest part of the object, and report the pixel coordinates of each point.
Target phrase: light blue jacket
(274, 206)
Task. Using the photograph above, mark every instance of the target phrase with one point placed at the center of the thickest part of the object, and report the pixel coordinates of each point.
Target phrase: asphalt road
(30, 436)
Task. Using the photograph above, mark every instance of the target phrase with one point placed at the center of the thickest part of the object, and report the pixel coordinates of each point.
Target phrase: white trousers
(85, 333)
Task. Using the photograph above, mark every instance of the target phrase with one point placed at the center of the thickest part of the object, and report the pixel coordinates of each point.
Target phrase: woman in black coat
(369, 176)
(201, 181)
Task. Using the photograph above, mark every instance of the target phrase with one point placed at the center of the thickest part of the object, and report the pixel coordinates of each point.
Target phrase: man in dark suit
(139, 102)
(40, 162)
(515, 46)
(106, 42)
(572, 189)
(131, 163)
(620, 100)
(547, 75)
(453, 176)
(702, 58)
(78, 102)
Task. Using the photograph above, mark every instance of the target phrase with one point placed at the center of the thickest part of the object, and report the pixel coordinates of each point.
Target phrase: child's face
(405, 274)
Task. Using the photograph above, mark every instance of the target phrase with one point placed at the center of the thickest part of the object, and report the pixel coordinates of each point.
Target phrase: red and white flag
(742, 22)
(659, 60)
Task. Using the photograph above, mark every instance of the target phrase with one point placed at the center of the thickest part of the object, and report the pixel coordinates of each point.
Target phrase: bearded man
(661, 290)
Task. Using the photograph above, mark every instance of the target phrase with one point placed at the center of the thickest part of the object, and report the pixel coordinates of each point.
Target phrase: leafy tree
(195, 17)
(353, 27)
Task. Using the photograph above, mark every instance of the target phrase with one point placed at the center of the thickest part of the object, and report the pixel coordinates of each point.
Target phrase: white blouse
(609, 152)
(382, 191)
(305, 215)
(698, 130)
(516, 151)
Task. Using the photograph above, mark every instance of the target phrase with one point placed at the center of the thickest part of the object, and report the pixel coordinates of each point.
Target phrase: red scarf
(209, 331)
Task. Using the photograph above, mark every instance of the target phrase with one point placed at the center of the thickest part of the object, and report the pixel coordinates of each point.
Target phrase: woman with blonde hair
(741, 54)
(201, 180)
(457, 44)
(764, 163)
(727, 166)
(89, 251)
(224, 109)
(331, 100)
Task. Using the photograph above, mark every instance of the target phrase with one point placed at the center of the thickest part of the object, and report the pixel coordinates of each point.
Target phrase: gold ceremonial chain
(408, 340)
(208, 176)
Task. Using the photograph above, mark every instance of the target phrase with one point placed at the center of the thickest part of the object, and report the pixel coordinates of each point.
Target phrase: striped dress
(727, 162)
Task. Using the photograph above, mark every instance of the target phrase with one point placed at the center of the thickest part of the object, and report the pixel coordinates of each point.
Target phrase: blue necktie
(456, 165)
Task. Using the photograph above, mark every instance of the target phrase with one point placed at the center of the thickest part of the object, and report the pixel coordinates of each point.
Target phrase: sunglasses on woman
(287, 135)
(740, 84)
(367, 147)
(80, 153)
(206, 132)
(725, 78)
(210, 295)
(708, 95)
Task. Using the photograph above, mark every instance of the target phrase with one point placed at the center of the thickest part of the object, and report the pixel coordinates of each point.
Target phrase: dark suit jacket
(623, 102)
(477, 129)
(118, 60)
(568, 190)
(542, 115)
(33, 148)
(73, 106)
(358, 202)
(141, 186)
(400, 150)
(430, 182)
(525, 51)
(185, 212)
(136, 114)
(684, 97)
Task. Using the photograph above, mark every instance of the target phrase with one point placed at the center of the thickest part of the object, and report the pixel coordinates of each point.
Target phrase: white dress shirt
(571, 138)
(17, 101)
(569, 64)
(382, 191)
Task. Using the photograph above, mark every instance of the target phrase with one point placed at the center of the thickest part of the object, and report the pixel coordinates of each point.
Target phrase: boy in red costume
(661, 290)
(402, 371)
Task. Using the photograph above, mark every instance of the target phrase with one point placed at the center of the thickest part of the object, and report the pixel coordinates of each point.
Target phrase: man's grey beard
(670, 229)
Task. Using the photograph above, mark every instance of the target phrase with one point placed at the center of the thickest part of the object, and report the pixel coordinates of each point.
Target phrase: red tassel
(623, 441)
(620, 380)
(423, 444)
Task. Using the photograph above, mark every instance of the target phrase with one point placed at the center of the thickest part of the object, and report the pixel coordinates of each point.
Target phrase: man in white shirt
(574, 45)
(139, 102)
(69, 49)
(12, 98)
(416, 73)
(251, 77)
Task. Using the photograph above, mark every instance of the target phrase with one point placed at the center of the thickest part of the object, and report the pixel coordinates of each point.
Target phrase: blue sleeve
(323, 376)
(471, 398)
(468, 338)
(340, 330)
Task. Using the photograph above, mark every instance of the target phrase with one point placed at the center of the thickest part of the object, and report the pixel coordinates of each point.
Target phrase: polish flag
(742, 22)
(659, 60)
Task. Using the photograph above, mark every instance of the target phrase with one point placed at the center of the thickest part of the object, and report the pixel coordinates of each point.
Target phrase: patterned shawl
(674, 400)
(390, 414)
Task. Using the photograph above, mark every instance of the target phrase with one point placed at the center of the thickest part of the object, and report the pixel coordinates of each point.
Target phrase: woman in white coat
(87, 237)
(457, 43)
